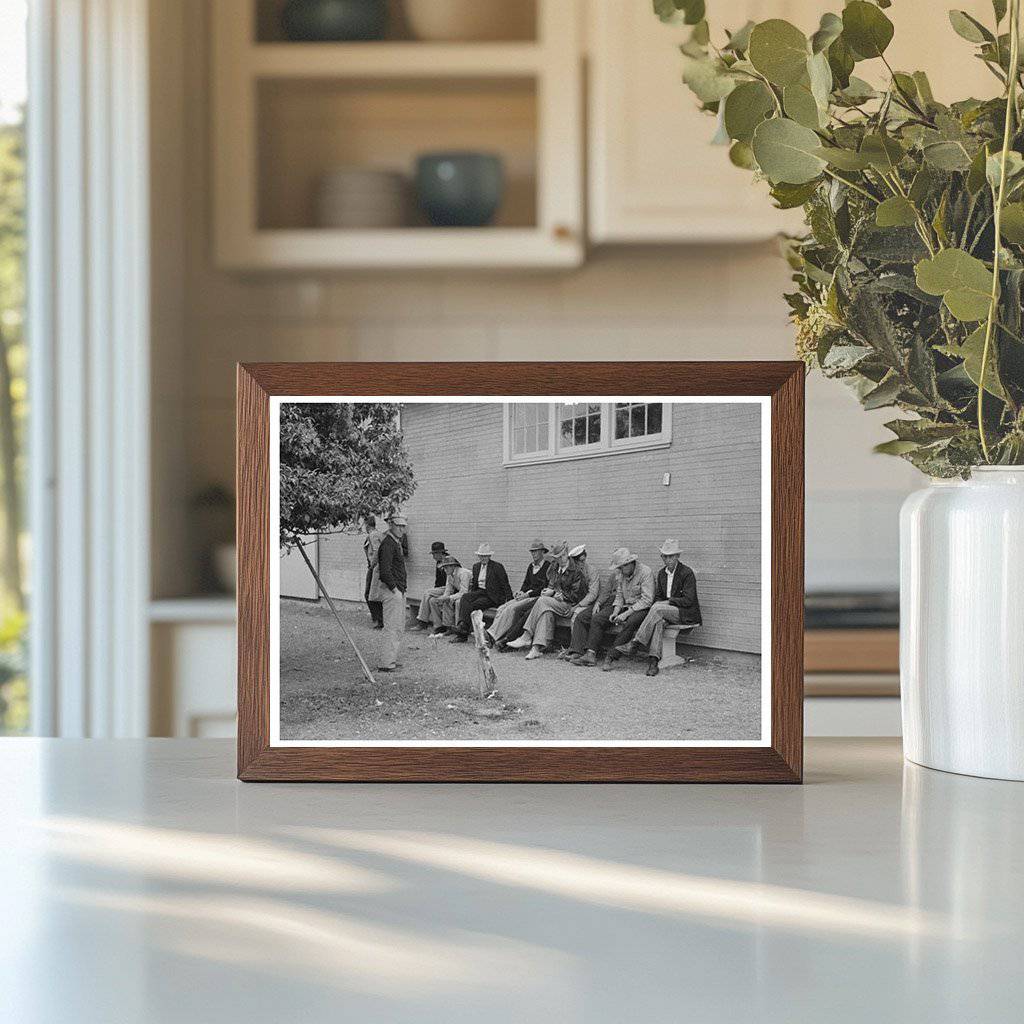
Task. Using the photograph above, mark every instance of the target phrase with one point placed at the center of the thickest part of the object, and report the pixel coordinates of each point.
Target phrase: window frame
(606, 446)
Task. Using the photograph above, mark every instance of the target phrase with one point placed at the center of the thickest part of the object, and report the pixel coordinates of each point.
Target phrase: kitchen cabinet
(288, 114)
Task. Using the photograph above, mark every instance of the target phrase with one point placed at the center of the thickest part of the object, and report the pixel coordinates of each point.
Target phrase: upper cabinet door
(654, 175)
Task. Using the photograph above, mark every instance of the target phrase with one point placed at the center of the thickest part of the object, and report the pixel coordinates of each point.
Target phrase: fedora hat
(670, 547)
(484, 549)
(398, 520)
(621, 557)
(580, 549)
(538, 545)
(450, 560)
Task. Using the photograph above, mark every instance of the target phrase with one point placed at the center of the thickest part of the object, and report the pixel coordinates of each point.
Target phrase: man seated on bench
(488, 588)
(599, 596)
(567, 584)
(444, 607)
(634, 595)
(675, 604)
(439, 553)
(509, 618)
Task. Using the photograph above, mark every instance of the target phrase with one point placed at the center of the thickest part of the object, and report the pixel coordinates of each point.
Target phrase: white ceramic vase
(962, 624)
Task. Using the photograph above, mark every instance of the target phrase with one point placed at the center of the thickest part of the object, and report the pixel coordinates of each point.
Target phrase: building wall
(464, 496)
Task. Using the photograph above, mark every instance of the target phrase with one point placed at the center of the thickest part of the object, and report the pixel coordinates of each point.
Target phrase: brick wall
(465, 495)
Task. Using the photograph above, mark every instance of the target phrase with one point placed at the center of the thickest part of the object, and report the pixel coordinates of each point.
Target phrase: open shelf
(287, 114)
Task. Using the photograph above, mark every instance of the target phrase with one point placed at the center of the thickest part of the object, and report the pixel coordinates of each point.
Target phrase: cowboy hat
(484, 549)
(670, 547)
(621, 557)
(450, 560)
(398, 520)
(538, 545)
(580, 549)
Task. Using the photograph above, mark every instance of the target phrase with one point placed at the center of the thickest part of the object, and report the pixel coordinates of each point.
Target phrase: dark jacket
(570, 583)
(391, 564)
(684, 593)
(536, 579)
(497, 585)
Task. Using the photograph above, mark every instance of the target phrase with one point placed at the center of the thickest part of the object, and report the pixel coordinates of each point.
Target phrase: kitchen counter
(140, 882)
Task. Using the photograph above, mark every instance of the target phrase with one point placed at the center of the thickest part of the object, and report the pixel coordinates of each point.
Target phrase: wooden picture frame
(780, 759)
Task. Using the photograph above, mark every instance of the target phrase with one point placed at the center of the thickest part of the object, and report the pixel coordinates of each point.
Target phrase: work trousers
(394, 625)
(600, 623)
(653, 627)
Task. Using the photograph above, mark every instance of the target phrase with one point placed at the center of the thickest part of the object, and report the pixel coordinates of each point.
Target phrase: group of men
(558, 582)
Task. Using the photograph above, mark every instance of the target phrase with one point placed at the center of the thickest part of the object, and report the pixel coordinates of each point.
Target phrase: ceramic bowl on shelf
(362, 197)
(460, 189)
(470, 20)
(334, 21)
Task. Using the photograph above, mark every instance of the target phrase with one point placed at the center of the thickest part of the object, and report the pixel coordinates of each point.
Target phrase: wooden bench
(669, 657)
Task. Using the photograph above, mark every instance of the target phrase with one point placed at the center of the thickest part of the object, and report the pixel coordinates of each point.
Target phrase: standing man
(437, 549)
(634, 594)
(393, 582)
(675, 603)
(599, 596)
(567, 585)
(444, 610)
(488, 588)
(512, 614)
(371, 543)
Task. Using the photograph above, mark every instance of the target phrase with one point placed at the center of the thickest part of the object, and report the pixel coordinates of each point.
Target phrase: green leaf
(969, 28)
(829, 30)
(707, 78)
(739, 41)
(801, 106)
(788, 197)
(1012, 224)
(895, 447)
(787, 151)
(971, 351)
(779, 51)
(963, 281)
(745, 108)
(741, 155)
(866, 29)
(844, 159)
(883, 152)
(895, 212)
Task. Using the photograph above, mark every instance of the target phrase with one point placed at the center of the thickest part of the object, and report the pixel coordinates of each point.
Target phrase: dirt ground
(435, 695)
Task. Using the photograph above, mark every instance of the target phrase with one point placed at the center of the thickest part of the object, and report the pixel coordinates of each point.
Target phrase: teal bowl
(460, 190)
(334, 21)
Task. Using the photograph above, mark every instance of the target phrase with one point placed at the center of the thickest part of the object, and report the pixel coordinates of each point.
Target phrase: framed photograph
(559, 572)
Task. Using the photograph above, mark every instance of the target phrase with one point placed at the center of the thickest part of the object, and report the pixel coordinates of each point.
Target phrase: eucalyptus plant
(910, 277)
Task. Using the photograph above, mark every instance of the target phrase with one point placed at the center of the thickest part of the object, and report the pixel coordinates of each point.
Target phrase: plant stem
(1011, 108)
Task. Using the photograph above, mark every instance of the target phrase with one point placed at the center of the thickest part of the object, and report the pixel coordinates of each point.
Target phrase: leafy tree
(910, 277)
(340, 463)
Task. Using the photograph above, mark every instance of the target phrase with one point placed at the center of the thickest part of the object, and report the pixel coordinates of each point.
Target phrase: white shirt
(668, 582)
(481, 580)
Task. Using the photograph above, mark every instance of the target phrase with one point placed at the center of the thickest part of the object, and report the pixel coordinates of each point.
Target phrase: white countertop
(140, 882)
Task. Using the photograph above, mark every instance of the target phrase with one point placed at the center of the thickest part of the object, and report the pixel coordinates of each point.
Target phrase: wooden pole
(330, 603)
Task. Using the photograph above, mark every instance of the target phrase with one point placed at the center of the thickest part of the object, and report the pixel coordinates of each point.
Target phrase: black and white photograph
(481, 571)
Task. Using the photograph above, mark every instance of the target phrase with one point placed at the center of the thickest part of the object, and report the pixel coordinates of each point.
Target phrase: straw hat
(484, 549)
(538, 545)
(670, 547)
(621, 557)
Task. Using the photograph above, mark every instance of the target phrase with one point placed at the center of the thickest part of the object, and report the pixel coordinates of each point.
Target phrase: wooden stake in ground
(489, 678)
(330, 604)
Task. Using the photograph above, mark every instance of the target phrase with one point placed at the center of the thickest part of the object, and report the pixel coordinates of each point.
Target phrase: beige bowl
(471, 20)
